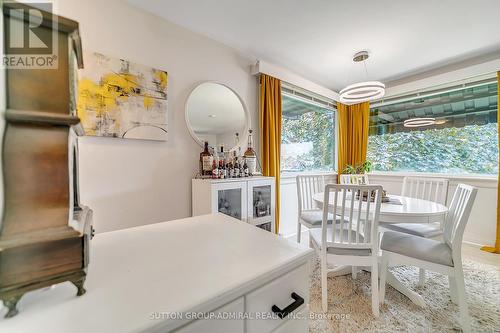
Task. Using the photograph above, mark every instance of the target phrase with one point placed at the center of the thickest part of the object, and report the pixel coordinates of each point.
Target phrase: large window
(462, 140)
(308, 132)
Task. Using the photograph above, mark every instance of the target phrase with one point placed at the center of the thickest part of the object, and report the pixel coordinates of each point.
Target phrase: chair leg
(324, 283)
(354, 272)
(421, 277)
(453, 289)
(299, 225)
(462, 299)
(383, 276)
(375, 296)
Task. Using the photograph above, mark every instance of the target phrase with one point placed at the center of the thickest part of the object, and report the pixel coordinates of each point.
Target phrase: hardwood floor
(473, 253)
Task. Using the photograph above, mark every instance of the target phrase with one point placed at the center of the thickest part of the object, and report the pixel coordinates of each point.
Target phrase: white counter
(189, 265)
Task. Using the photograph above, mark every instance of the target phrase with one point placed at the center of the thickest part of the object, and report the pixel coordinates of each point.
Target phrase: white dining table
(400, 210)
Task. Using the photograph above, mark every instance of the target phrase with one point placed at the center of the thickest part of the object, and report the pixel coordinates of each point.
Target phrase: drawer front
(277, 292)
(295, 326)
(223, 325)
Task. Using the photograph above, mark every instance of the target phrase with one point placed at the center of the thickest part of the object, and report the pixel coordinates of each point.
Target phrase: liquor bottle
(245, 168)
(242, 167)
(237, 141)
(230, 169)
(237, 146)
(250, 156)
(222, 166)
(206, 161)
(215, 169)
(234, 165)
(260, 207)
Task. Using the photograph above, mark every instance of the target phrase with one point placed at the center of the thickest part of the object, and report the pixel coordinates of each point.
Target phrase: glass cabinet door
(229, 202)
(261, 201)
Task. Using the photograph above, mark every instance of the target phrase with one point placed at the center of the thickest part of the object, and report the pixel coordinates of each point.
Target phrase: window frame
(429, 92)
(318, 100)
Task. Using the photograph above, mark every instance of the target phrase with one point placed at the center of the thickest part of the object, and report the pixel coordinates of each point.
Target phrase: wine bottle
(206, 161)
(250, 156)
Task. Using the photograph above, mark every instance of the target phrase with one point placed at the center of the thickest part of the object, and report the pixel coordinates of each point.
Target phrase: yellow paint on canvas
(148, 101)
(119, 84)
(103, 97)
(100, 103)
(162, 77)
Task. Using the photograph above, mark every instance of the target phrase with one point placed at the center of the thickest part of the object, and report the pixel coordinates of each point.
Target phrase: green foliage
(469, 149)
(312, 127)
(358, 168)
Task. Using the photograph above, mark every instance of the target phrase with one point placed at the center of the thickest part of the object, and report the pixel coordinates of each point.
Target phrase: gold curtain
(270, 133)
(353, 134)
(496, 248)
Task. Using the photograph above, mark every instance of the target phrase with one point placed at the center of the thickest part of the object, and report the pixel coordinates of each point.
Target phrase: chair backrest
(354, 205)
(307, 186)
(354, 179)
(432, 189)
(458, 215)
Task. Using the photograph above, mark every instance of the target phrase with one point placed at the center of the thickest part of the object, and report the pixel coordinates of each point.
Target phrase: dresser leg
(11, 304)
(79, 284)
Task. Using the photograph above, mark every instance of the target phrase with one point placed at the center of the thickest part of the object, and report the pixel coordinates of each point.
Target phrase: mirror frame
(247, 115)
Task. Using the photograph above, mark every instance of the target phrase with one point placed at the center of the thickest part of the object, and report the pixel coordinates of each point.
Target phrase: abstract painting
(117, 98)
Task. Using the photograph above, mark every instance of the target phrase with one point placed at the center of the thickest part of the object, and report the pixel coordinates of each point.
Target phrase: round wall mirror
(215, 113)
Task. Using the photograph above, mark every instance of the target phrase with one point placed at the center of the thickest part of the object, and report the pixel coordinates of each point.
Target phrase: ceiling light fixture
(419, 122)
(362, 91)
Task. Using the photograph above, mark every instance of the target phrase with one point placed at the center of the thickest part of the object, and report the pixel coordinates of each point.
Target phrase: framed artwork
(121, 99)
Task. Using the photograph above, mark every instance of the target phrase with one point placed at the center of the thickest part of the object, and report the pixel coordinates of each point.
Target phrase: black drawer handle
(298, 301)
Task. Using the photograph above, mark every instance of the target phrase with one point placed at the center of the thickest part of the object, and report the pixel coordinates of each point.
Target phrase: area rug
(349, 308)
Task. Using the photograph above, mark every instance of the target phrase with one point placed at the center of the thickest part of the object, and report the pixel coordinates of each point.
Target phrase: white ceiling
(317, 38)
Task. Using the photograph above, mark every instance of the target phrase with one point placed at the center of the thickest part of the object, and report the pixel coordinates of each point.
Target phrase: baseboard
(473, 244)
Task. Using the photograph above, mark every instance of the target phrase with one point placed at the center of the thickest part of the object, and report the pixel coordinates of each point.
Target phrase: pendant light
(419, 122)
(362, 91)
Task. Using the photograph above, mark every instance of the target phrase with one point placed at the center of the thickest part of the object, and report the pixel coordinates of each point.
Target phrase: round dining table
(399, 209)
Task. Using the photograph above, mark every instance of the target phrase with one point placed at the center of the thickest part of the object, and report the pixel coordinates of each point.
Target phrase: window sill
(290, 175)
(437, 175)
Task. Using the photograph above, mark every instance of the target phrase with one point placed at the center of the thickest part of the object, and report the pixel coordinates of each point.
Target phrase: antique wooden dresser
(44, 231)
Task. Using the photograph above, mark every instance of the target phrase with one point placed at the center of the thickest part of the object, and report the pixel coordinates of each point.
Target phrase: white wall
(129, 183)
(480, 228)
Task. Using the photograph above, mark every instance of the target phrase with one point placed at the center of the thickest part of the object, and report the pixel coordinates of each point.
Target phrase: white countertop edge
(209, 299)
(232, 293)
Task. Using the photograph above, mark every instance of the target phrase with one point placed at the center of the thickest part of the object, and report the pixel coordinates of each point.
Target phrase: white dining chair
(354, 179)
(431, 189)
(354, 242)
(309, 214)
(439, 256)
